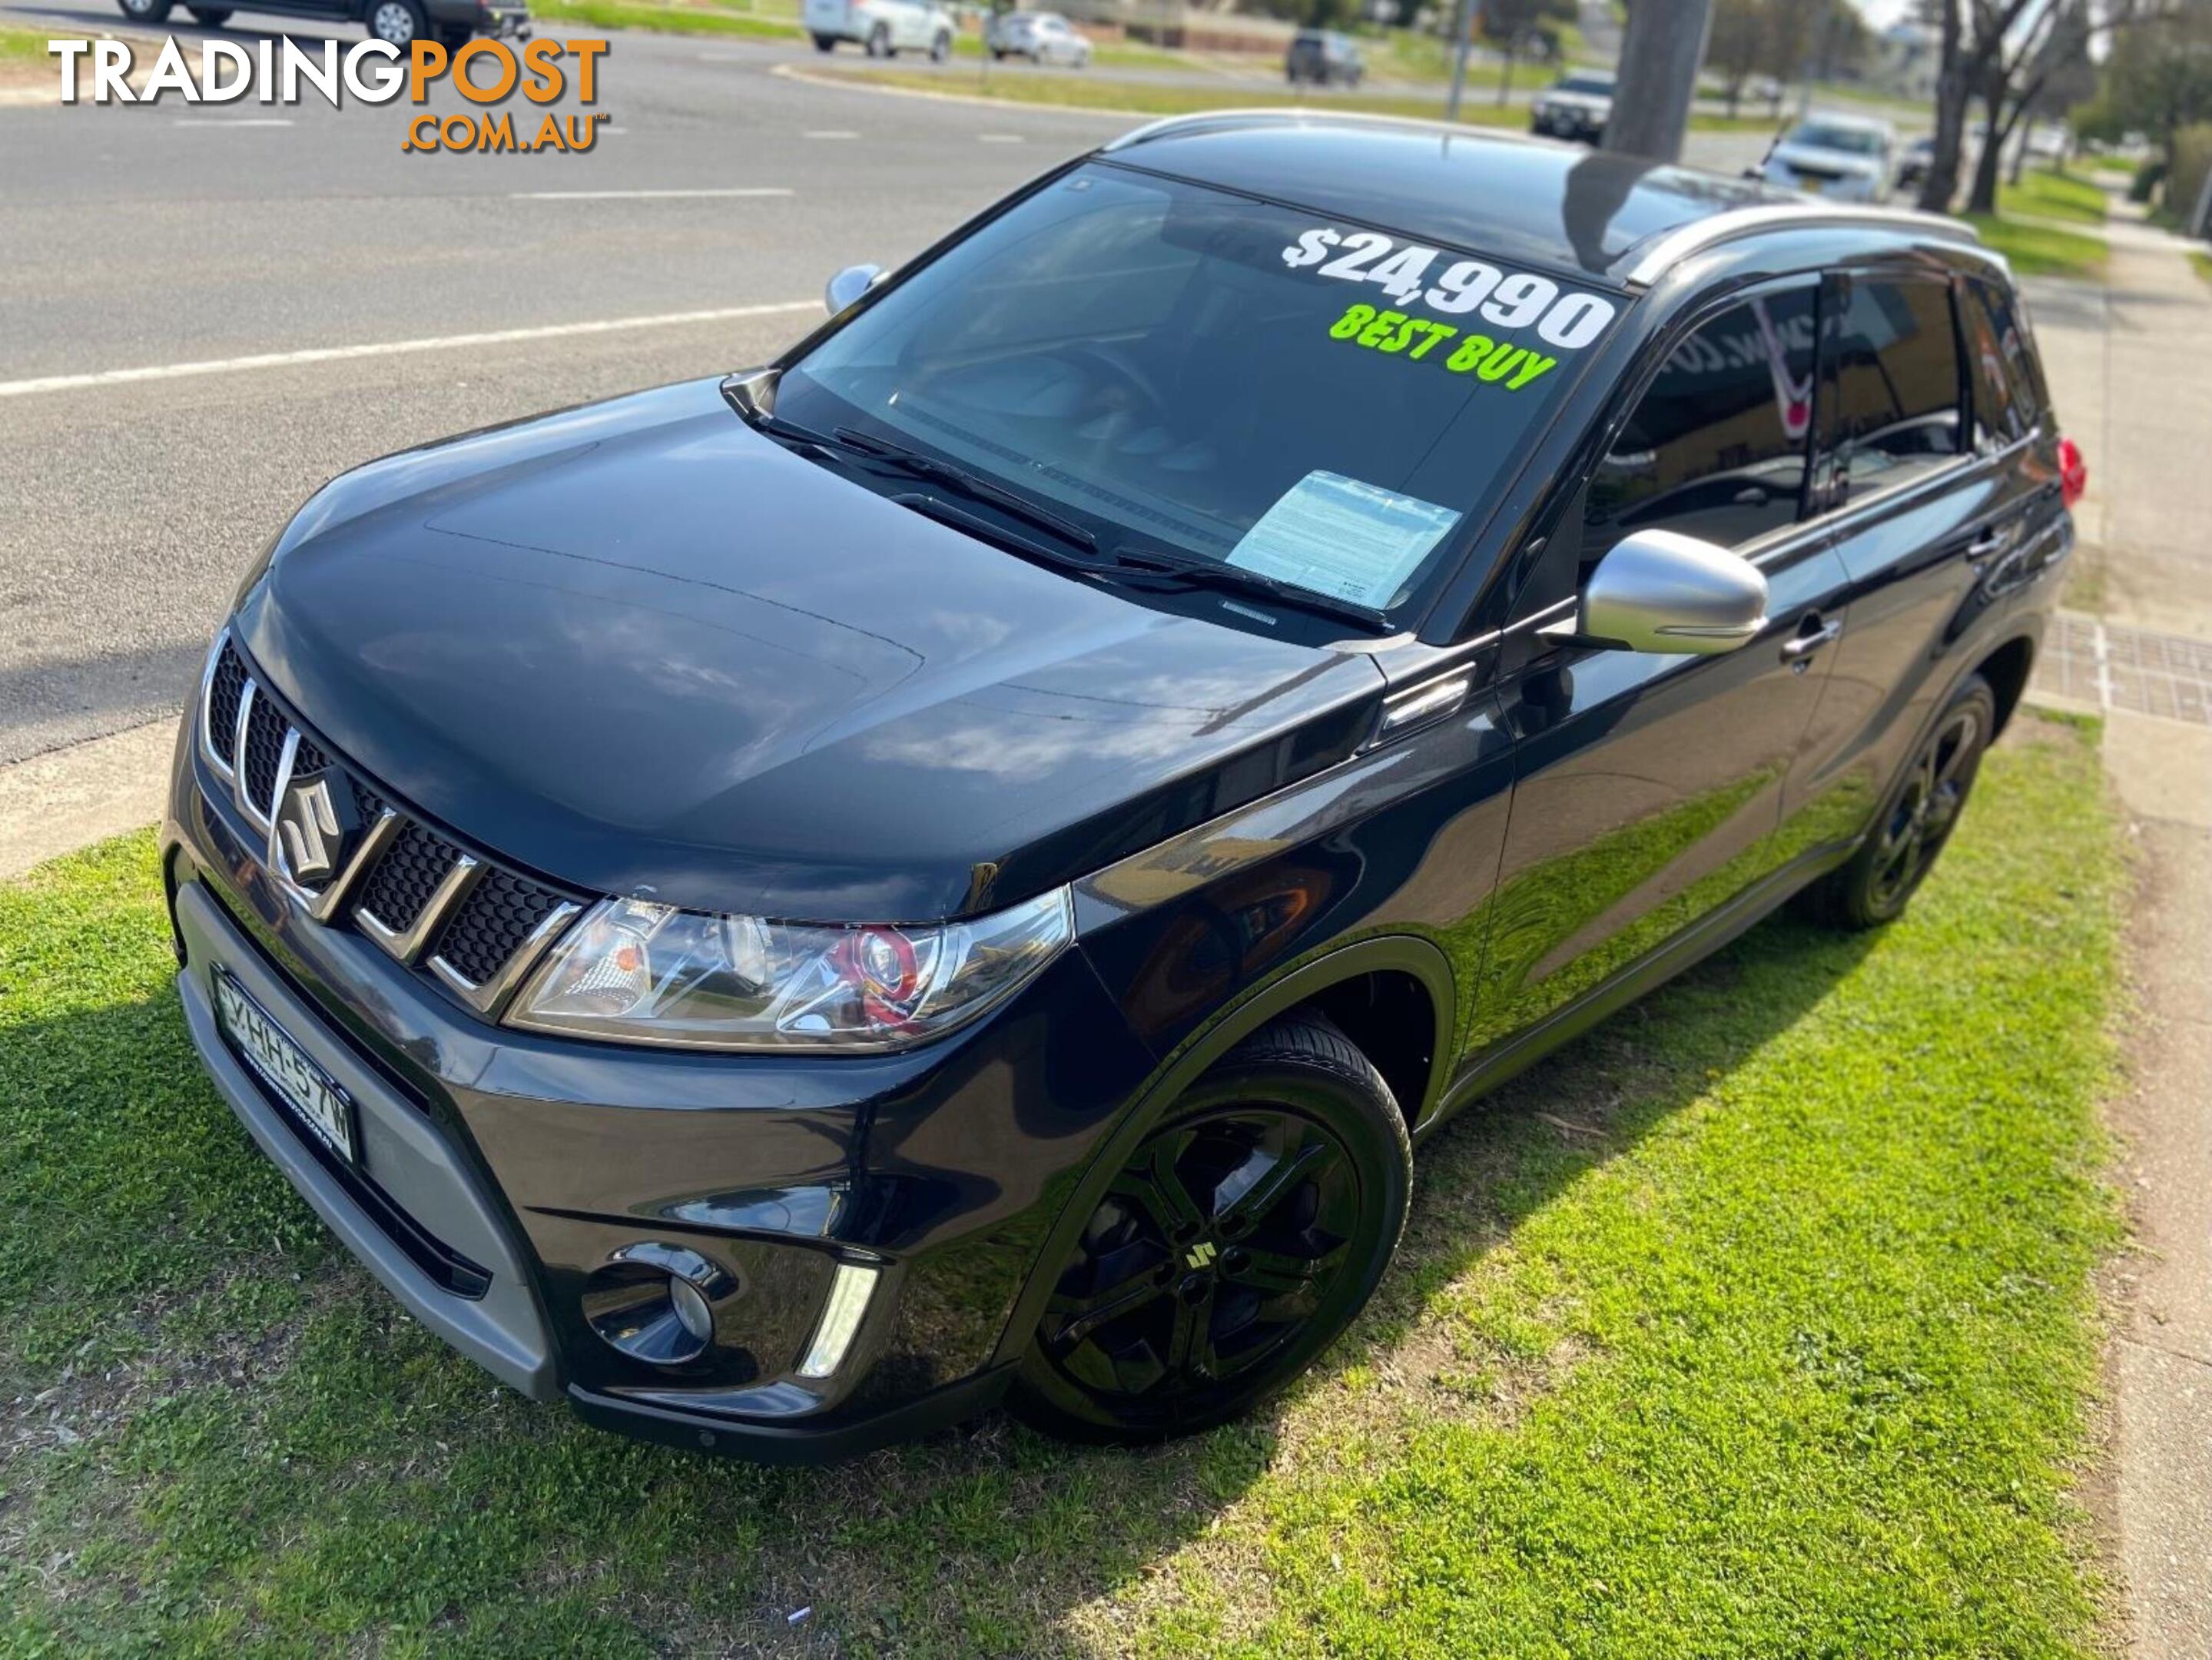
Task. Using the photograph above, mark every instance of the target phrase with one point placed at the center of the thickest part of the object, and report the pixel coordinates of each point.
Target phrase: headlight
(633, 972)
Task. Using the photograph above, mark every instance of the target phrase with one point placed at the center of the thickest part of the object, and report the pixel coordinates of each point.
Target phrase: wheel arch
(1375, 981)
(2007, 669)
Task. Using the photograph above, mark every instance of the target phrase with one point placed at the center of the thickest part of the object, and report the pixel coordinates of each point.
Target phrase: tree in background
(2158, 79)
(1514, 27)
(2003, 54)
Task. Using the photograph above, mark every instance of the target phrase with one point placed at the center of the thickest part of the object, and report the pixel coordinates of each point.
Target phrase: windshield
(1853, 141)
(1179, 369)
(1602, 85)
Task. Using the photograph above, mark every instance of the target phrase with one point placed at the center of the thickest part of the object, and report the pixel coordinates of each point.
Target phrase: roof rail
(1656, 256)
(1230, 120)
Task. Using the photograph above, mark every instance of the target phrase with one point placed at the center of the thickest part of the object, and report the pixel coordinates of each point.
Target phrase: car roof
(1837, 119)
(1514, 198)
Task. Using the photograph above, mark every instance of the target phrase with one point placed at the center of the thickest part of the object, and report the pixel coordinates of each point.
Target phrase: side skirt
(1716, 929)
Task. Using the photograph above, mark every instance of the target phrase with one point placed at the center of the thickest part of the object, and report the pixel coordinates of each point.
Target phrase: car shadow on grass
(286, 1441)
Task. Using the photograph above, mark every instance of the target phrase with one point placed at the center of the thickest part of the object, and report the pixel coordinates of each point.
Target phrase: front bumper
(540, 1163)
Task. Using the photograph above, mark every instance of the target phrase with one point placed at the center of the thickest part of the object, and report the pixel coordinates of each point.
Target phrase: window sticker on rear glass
(1477, 300)
(1338, 536)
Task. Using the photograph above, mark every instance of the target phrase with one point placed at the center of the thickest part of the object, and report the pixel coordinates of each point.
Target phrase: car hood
(639, 648)
(1812, 158)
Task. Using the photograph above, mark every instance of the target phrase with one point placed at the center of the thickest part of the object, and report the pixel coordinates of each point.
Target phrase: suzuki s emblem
(1201, 1255)
(309, 836)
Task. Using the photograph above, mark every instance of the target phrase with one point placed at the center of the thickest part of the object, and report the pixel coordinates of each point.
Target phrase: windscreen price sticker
(1469, 288)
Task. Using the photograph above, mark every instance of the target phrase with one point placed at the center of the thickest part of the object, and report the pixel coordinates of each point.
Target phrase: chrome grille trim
(491, 998)
(239, 792)
(406, 943)
(218, 763)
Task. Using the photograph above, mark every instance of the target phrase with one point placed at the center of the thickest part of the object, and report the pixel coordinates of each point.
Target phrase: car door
(1648, 788)
(1923, 507)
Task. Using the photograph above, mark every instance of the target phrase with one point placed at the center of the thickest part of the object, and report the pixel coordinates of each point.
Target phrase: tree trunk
(1983, 198)
(1660, 52)
(1941, 182)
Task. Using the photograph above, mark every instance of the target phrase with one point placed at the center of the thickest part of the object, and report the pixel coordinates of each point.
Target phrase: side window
(1717, 448)
(2000, 346)
(1897, 381)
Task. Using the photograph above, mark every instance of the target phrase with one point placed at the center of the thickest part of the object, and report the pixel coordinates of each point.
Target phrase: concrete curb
(67, 799)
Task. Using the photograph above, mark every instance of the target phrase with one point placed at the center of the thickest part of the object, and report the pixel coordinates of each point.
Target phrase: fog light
(850, 1291)
(654, 1303)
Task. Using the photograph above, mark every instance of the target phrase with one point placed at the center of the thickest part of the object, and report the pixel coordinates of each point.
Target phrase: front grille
(492, 923)
(264, 749)
(478, 950)
(225, 688)
(408, 874)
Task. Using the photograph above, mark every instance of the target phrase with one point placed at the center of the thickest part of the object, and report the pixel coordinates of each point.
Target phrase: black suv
(959, 864)
(451, 22)
(1323, 58)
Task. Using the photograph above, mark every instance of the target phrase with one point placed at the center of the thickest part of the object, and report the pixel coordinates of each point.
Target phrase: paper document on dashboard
(1340, 536)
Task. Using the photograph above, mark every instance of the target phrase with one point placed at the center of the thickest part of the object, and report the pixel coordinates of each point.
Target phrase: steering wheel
(1125, 373)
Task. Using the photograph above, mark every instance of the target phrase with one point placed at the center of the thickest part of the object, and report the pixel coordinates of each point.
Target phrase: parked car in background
(1042, 37)
(452, 23)
(1322, 57)
(1846, 156)
(883, 27)
(957, 864)
(1577, 105)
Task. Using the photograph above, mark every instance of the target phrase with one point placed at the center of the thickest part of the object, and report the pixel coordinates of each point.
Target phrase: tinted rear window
(1897, 385)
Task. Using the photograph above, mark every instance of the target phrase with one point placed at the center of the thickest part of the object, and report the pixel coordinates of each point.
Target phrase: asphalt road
(144, 238)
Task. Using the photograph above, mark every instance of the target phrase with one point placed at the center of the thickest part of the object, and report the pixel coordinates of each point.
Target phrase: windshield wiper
(1212, 573)
(916, 465)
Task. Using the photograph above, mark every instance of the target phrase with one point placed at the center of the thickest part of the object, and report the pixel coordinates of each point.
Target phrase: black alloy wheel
(1235, 1244)
(1917, 819)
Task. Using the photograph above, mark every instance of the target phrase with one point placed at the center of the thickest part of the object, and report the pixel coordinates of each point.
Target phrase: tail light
(2073, 471)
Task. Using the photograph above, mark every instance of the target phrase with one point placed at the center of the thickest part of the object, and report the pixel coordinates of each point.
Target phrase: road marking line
(1000, 138)
(830, 132)
(2102, 648)
(275, 360)
(639, 195)
(230, 121)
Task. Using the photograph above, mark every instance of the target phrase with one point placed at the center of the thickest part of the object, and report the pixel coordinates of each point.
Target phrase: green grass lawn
(2202, 263)
(2039, 250)
(1018, 86)
(1759, 1323)
(666, 19)
(2046, 195)
(27, 46)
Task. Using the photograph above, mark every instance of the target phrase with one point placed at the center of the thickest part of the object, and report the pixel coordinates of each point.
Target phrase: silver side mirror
(848, 285)
(1659, 591)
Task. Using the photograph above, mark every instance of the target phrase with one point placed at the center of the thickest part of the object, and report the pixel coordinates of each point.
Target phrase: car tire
(879, 41)
(825, 43)
(997, 54)
(400, 22)
(940, 47)
(211, 17)
(1177, 1309)
(452, 36)
(1916, 818)
(144, 11)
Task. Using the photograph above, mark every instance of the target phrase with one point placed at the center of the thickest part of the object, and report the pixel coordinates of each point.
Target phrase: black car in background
(1323, 58)
(402, 23)
(959, 865)
(1577, 105)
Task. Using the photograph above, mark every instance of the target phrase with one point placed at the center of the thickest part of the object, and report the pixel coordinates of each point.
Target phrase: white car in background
(1042, 37)
(884, 27)
(1849, 157)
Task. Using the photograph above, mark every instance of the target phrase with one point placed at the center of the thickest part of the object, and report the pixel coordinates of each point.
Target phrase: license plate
(299, 1083)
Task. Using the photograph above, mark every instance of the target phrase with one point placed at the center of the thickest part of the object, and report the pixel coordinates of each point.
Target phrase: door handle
(1798, 650)
(1988, 545)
